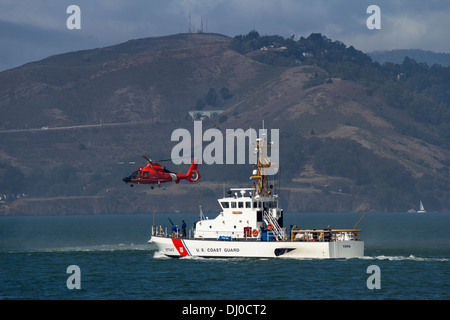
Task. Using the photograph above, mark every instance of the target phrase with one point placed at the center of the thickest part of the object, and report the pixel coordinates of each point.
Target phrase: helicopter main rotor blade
(162, 160)
(146, 158)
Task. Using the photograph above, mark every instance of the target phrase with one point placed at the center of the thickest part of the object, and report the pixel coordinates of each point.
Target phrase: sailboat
(421, 208)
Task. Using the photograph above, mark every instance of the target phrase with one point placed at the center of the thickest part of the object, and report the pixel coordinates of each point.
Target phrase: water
(116, 262)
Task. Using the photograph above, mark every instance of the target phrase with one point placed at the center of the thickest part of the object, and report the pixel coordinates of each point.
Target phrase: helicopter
(153, 173)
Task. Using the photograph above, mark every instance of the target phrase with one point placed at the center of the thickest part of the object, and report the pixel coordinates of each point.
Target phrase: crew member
(183, 229)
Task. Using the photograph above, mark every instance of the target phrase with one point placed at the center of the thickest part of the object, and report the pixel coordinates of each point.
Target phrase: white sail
(421, 208)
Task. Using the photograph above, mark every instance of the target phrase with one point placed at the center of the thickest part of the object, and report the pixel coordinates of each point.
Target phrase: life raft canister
(270, 226)
(255, 232)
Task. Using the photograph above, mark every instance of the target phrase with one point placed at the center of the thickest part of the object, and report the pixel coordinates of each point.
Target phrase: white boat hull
(173, 247)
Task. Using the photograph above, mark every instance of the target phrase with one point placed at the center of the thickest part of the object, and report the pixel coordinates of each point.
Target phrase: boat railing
(221, 235)
(326, 235)
(277, 230)
(159, 231)
(164, 232)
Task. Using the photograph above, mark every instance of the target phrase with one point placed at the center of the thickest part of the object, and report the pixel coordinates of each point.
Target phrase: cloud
(405, 30)
(405, 23)
(22, 43)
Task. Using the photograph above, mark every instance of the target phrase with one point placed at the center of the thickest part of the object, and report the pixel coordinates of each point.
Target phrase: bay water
(115, 261)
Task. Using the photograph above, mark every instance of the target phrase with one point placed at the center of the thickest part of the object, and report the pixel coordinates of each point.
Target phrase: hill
(421, 56)
(354, 134)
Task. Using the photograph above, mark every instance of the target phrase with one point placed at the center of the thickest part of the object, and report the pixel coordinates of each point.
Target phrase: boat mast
(262, 182)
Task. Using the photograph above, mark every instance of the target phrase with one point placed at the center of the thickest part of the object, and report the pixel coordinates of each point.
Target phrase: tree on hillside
(211, 98)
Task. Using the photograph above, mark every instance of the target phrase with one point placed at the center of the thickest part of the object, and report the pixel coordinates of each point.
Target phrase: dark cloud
(21, 43)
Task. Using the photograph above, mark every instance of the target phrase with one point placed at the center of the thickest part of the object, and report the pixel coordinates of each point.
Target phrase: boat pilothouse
(250, 224)
(247, 213)
(244, 216)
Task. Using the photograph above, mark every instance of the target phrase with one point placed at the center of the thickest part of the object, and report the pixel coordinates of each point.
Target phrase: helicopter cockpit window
(145, 174)
(134, 174)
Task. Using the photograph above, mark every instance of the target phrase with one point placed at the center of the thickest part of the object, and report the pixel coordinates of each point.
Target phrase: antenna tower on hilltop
(190, 25)
(193, 28)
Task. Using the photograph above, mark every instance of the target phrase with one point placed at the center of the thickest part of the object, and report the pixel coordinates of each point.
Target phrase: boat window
(258, 216)
(240, 204)
(233, 204)
(248, 204)
(272, 204)
(225, 204)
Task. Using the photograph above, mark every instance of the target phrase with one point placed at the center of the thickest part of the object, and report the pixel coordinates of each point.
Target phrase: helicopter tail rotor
(193, 174)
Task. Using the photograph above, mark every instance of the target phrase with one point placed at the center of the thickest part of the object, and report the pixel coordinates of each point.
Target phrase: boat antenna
(359, 220)
(262, 162)
(154, 231)
(201, 216)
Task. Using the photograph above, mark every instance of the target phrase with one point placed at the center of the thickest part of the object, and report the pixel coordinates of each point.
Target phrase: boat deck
(313, 235)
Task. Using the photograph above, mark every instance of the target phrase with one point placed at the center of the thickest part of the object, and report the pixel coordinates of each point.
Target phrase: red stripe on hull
(180, 247)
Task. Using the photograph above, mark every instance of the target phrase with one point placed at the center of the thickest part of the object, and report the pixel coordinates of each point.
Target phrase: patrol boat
(251, 225)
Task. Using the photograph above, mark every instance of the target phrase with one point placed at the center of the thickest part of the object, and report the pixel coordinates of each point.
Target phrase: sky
(32, 30)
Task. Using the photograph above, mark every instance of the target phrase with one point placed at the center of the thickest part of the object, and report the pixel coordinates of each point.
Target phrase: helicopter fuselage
(154, 173)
